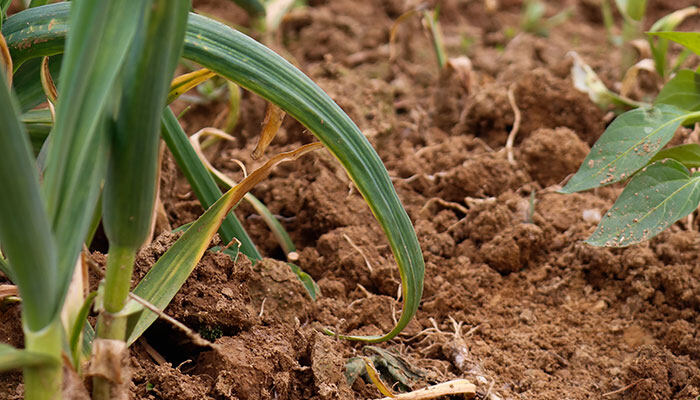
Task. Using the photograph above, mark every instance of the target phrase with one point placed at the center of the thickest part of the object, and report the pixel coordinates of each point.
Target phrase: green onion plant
(96, 157)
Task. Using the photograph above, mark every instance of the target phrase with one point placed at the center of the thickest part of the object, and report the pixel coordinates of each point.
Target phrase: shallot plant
(98, 159)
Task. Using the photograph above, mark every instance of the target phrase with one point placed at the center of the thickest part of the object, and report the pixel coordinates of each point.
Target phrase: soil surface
(514, 301)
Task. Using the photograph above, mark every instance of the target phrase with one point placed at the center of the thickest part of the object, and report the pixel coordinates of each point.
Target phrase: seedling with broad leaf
(95, 157)
(663, 185)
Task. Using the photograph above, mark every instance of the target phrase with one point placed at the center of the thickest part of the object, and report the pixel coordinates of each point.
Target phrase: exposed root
(359, 250)
(192, 335)
(623, 389)
(155, 355)
(457, 386)
(444, 203)
(262, 308)
(516, 124)
(8, 291)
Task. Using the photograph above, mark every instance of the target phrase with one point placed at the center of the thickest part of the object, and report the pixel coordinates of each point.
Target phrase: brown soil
(513, 300)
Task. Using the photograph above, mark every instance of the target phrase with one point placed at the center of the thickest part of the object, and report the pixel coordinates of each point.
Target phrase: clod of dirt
(513, 249)
(327, 365)
(661, 376)
(483, 176)
(544, 100)
(550, 155)
(256, 364)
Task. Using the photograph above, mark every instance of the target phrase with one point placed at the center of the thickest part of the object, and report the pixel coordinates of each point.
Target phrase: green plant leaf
(4, 5)
(655, 198)
(683, 91)
(37, 3)
(12, 358)
(169, 273)
(202, 183)
(659, 46)
(27, 84)
(130, 183)
(251, 65)
(306, 280)
(25, 231)
(690, 40)
(633, 9)
(253, 7)
(686, 154)
(5, 269)
(79, 327)
(76, 159)
(626, 146)
(256, 68)
(275, 226)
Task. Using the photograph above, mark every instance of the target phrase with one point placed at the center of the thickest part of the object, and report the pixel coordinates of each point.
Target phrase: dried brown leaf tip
(273, 120)
(47, 81)
(5, 59)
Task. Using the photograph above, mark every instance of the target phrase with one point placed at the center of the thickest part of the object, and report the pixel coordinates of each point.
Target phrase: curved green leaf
(306, 280)
(690, 40)
(25, 230)
(253, 66)
(256, 68)
(655, 198)
(169, 273)
(202, 183)
(626, 146)
(683, 91)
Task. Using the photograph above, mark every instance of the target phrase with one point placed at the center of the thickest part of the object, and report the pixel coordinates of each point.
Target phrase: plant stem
(110, 324)
(120, 265)
(44, 382)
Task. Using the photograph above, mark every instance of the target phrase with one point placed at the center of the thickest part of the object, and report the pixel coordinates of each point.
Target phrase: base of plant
(44, 382)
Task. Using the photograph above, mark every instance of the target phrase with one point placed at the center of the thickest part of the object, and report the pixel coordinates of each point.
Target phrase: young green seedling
(661, 188)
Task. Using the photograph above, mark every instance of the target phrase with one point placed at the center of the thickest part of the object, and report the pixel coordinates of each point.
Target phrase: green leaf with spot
(683, 91)
(655, 198)
(627, 145)
(686, 154)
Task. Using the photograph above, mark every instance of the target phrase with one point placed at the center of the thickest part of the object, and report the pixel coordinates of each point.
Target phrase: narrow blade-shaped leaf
(25, 232)
(202, 183)
(655, 198)
(683, 91)
(185, 82)
(254, 67)
(12, 358)
(275, 226)
(626, 146)
(241, 59)
(690, 40)
(130, 184)
(76, 159)
(171, 270)
(28, 87)
(306, 280)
